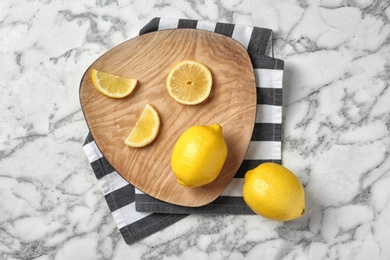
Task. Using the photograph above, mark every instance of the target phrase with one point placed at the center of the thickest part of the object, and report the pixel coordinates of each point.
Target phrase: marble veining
(336, 129)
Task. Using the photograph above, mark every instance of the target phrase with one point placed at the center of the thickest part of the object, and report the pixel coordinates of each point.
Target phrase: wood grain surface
(149, 58)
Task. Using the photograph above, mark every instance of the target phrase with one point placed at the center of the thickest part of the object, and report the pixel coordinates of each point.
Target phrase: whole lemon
(199, 155)
(274, 192)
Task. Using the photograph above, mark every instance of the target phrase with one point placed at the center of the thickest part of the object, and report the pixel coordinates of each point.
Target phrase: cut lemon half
(189, 82)
(146, 128)
(111, 85)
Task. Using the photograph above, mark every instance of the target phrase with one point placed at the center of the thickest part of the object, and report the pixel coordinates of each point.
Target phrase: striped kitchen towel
(120, 198)
(138, 215)
(265, 145)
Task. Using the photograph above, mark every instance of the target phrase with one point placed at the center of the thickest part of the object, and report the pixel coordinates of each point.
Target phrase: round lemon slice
(189, 82)
(146, 128)
(112, 85)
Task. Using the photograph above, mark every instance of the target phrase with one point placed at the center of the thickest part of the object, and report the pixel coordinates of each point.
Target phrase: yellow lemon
(274, 192)
(189, 82)
(199, 155)
(145, 129)
(112, 85)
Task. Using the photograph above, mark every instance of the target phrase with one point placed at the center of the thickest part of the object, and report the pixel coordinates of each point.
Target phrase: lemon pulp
(189, 82)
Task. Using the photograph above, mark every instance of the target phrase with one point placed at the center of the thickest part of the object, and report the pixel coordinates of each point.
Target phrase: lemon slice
(146, 128)
(189, 82)
(111, 85)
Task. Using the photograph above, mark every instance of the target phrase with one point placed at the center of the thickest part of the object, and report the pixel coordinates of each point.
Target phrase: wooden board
(149, 58)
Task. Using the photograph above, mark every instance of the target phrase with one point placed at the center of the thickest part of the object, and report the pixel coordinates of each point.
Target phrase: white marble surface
(336, 131)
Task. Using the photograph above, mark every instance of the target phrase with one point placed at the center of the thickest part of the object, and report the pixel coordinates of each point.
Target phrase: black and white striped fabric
(139, 215)
(120, 197)
(265, 145)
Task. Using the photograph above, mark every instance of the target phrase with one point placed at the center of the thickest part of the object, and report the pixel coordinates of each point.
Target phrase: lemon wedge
(112, 86)
(146, 128)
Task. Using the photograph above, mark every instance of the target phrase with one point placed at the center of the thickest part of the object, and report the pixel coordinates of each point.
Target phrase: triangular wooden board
(149, 58)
